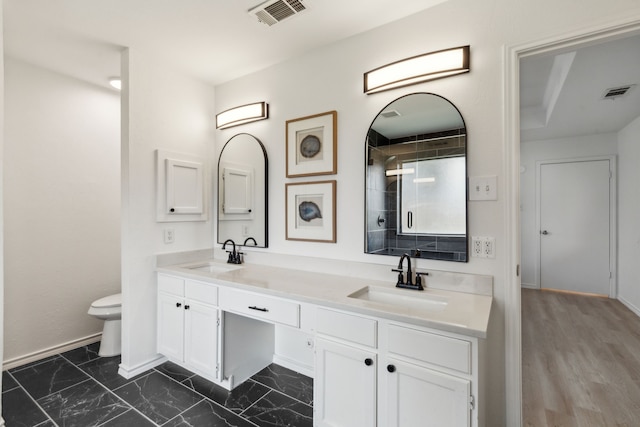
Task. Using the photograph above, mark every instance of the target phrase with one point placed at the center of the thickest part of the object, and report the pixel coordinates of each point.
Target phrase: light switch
(483, 187)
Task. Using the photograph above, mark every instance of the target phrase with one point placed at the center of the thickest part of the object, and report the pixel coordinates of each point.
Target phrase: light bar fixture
(242, 114)
(418, 69)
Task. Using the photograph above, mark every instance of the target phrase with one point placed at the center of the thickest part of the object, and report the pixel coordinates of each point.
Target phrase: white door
(575, 226)
(420, 397)
(171, 326)
(201, 338)
(344, 386)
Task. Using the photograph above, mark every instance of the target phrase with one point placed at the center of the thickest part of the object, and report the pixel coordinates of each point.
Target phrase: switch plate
(483, 187)
(169, 235)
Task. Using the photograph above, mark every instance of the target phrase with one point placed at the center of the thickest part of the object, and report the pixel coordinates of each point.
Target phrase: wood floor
(580, 361)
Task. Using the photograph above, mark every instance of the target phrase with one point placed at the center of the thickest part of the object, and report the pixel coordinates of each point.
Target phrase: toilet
(109, 309)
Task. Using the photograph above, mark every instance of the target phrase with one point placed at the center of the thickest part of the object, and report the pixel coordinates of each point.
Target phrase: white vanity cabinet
(345, 370)
(373, 372)
(188, 324)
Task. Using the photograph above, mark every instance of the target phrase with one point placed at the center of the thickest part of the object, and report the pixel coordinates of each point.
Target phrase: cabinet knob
(391, 368)
(172, 210)
(178, 305)
(186, 307)
(368, 361)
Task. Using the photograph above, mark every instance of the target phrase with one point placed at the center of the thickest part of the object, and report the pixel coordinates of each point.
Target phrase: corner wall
(62, 207)
(161, 109)
(628, 214)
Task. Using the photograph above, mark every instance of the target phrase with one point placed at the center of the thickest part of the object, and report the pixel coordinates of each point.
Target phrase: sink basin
(214, 267)
(418, 300)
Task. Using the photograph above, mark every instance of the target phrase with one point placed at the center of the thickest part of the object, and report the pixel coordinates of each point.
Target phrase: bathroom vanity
(383, 356)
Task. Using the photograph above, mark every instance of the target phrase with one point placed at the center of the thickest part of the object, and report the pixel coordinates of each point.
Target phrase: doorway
(576, 213)
(513, 320)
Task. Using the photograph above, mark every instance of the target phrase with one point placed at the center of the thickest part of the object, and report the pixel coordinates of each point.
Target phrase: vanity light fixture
(417, 69)
(242, 114)
(115, 83)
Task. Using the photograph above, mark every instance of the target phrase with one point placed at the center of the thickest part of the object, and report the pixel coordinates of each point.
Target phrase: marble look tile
(19, 410)
(8, 383)
(82, 354)
(237, 400)
(158, 397)
(49, 377)
(289, 382)
(85, 404)
(131, 418)
(277, 410)
(208, 414)
(174, 371)
(105, 371)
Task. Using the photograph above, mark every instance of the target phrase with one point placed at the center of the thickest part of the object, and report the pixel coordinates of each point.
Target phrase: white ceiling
(213, 40)
(566, 99)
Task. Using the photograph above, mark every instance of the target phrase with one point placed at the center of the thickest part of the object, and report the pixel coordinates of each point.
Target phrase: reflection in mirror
(416, 180)
(242, 191)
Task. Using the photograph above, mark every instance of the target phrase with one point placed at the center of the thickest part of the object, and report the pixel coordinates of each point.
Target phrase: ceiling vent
(273, 11)
(617, 92)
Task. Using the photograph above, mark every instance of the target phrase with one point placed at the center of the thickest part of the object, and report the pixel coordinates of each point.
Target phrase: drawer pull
(253, 307)
(391, 368)
(368, 361)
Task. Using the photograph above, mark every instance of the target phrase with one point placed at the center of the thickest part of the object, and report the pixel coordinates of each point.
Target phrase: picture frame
(311, 145)
(310, 211)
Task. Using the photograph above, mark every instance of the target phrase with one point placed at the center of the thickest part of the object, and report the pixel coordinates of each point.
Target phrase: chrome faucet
(234, 257)
(407, 284)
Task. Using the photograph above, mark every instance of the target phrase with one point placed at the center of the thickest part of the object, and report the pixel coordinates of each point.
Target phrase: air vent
(274, 11)
(390, 113)
(617, 92)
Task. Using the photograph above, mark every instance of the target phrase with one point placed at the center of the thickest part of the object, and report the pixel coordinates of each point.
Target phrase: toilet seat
(108, 302)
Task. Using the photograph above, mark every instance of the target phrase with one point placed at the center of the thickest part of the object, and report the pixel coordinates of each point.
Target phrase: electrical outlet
(169, 235)
(489, 247)
(476, 247)
(483, 247)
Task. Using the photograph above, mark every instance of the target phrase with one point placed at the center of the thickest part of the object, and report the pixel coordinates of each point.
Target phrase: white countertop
(465, 313)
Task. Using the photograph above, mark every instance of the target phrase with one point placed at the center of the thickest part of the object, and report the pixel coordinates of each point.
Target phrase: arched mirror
(242, 191)
(416, 180)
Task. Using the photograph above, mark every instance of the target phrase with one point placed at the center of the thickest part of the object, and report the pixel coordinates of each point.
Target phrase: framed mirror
(416, 180)
(242, 192)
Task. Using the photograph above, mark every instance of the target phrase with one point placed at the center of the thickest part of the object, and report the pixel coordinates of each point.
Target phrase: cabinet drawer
(260, 307)
(436, 349)
(348, 327)
(203, 292)
(171, 285)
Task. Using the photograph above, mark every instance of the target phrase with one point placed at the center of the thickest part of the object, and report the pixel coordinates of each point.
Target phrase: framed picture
(311, 211)
(312, 145)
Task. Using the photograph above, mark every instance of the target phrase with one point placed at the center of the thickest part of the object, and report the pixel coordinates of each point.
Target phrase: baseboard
(630, 306)
(293, 365)
(132, 371)
(42, 354)
(529, 285)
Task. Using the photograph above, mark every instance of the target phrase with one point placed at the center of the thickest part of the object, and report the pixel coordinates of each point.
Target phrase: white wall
(161, 109)
(1, 198)
(62, 206)
(530, 153)
(628, 214)
(331, 78)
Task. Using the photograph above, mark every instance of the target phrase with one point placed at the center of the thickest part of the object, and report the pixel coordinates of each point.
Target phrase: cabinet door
(171, 326)
(420, 397)
(201, 338)
(344, 386)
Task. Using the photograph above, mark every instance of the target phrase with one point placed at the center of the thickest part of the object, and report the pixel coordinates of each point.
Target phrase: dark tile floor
(79, 388)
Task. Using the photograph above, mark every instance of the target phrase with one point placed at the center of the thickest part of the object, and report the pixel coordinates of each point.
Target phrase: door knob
(544, 232)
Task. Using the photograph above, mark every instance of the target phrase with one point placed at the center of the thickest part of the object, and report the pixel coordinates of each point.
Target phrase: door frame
(613, 215)
(511, 169)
